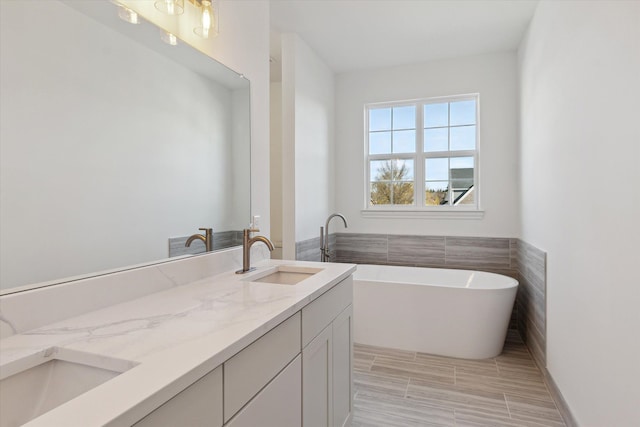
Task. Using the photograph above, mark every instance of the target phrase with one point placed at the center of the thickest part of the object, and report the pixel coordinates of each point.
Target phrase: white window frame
(418, 210)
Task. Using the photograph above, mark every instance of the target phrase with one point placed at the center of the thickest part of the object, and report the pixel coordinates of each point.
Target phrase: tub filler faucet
(247, 242)
(324, 237)
(207, 239)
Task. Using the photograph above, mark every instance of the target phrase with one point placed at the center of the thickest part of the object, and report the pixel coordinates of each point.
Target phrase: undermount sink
(38, 383)
(286, 275)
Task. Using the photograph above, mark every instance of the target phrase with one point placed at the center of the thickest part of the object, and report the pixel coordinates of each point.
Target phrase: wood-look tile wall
(309, 250)
(531, 301)
(470, 253)
(508, 256)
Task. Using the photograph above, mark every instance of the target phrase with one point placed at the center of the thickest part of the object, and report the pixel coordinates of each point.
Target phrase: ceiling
(362, 34)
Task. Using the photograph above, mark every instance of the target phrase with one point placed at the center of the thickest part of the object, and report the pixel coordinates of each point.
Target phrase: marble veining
(26, 309)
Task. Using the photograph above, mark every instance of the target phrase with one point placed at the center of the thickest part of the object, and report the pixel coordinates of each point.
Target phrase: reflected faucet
(207, 239)
(247, 242)
(324, 237)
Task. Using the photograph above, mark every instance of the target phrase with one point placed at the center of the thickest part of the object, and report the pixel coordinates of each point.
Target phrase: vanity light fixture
(208, 15)
(127, 14)
(170, 7)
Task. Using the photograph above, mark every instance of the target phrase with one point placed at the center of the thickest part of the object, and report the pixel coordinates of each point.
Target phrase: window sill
(422, 214)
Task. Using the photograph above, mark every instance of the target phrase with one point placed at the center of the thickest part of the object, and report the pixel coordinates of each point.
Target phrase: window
(423, 155)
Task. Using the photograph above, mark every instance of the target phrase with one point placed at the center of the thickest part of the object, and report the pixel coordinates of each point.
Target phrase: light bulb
(128, 15)
(206, 17)
(169, 38)
(207, 20)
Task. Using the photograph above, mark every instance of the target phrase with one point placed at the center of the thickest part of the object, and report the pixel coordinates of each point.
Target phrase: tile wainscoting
(221, 240)
(309, 250)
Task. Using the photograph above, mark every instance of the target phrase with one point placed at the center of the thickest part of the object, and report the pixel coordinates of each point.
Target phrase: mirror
(112, 143)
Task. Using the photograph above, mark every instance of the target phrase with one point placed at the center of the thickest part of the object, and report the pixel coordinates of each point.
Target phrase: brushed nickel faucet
(324, 237)
(247, 242)
(207, 239)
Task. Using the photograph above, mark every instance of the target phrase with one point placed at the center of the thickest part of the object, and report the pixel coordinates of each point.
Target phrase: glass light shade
(128, 15)
(207, 25)
(169, 38)
(170, 7)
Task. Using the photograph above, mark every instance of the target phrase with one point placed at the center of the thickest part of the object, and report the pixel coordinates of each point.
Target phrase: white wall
(494, 77)
(580, 153)
(276, 167)
(308, 141)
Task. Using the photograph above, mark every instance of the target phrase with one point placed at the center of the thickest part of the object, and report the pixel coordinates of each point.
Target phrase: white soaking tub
(454, 313)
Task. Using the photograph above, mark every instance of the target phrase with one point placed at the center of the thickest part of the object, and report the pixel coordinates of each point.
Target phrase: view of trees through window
(392, 184)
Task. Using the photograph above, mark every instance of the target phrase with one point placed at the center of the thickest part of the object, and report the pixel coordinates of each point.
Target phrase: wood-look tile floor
(403, 388)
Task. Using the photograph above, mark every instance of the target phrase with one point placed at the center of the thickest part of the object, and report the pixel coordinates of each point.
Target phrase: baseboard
(563, 408)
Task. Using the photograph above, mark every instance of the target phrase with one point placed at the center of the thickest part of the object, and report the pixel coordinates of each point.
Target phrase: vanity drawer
(317, 315)
(246, 373)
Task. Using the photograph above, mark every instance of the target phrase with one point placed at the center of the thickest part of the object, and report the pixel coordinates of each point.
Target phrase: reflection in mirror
(112, 143)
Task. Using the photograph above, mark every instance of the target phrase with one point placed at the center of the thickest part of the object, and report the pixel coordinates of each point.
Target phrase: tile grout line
(455, 376)
(507, 403)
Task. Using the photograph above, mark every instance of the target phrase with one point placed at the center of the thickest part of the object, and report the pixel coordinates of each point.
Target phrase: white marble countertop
(172, 337)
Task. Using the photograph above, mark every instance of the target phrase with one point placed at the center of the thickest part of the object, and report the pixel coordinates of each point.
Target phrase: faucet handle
(205, 229)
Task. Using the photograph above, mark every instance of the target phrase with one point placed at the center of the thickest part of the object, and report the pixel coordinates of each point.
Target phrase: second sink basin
(287, 275)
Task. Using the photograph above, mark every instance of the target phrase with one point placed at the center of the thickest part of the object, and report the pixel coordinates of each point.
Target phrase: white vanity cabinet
(200, 404)
(327, 337)
(279, 404)
(298, 373)
(247, 372)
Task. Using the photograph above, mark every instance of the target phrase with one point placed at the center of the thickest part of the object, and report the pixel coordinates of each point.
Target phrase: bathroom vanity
(228, 349)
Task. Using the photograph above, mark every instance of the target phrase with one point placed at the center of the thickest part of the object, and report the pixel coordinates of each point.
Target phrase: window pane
(380, 193)
(463, 138)
(379, 142)
(436, 139)
(402, 170)
(403, 193)
(380, 119)
(436, 193)
(404, 117)
(404, 141)
(464, 197)
(437, 169)
(461, 173)
(380, 170)
(463, 113)
(436, 115)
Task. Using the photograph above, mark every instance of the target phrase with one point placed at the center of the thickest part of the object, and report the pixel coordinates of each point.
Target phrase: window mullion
(419, 156)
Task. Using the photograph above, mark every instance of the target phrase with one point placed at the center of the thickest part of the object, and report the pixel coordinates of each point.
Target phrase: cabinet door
(317, 378)
(200, 404)
(246, 373)
(278, 404)
(342, 367)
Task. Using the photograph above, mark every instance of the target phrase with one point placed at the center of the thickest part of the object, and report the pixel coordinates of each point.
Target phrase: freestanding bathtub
(455, 313)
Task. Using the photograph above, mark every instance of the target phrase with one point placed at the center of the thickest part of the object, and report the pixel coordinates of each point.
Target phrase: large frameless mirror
(115, 146)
